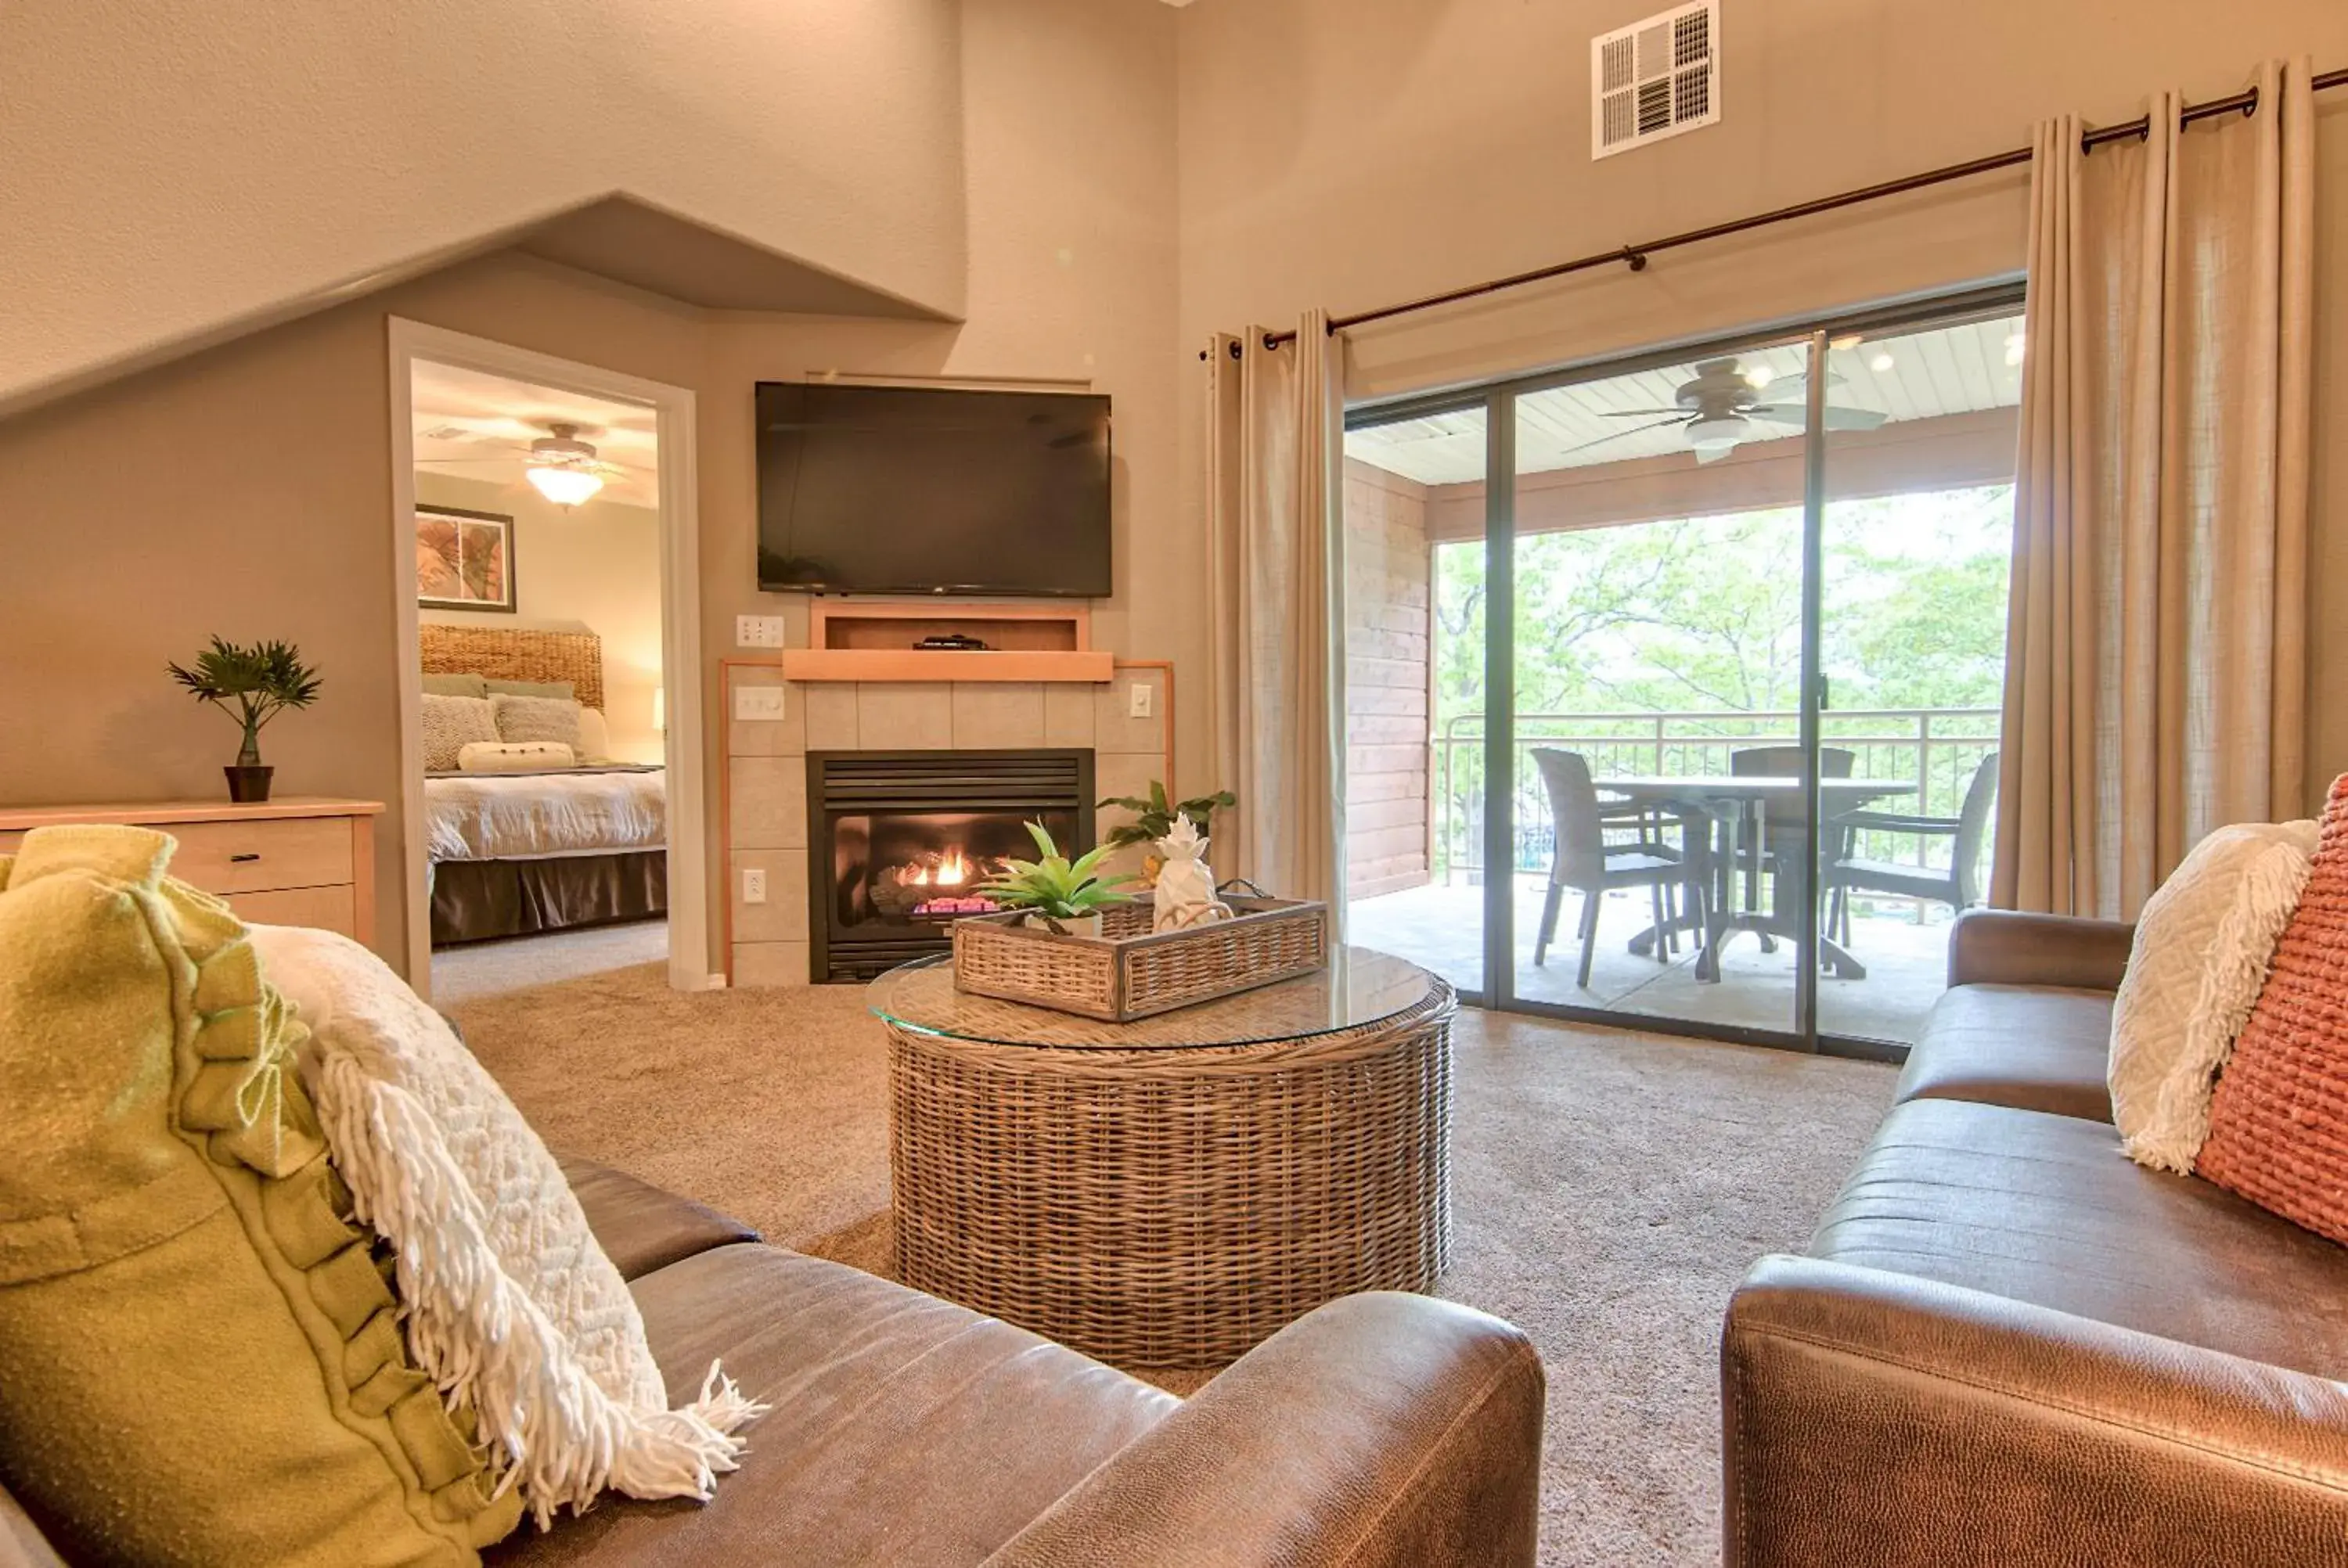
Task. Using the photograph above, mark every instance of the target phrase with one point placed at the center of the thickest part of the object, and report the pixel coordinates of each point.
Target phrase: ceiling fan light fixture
(565, 486)
(562, 467)
(1881, 362)
(1759, 376)
(1719, 430)
(2016, 346)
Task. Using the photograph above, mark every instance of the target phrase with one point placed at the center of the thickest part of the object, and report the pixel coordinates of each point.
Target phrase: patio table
(1737, 808)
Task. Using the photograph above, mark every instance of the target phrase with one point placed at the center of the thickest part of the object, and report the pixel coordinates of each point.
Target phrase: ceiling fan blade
(1643, 413)
(445, 462)
(1619, 434)
(1839, 417)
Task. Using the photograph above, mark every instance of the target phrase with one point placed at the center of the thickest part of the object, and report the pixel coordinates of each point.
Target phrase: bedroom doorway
(544, 533)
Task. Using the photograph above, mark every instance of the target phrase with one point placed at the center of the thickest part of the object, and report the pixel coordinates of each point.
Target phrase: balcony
(1932, 752)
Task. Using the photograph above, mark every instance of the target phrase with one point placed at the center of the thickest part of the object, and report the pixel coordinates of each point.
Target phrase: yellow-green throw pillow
(200, 1358)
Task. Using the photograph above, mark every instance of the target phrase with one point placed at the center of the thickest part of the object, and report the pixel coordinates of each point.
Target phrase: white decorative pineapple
(1185, 887)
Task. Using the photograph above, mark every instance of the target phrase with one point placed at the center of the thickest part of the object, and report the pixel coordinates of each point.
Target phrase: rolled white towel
(514, 757)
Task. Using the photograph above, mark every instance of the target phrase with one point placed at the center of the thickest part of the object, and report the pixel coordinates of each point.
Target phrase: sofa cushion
(640, 1226)
(905, 1429)
(2036, 1048)
(2045, 1209)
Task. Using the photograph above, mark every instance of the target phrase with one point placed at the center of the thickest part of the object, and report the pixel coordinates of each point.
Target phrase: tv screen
(889, 489)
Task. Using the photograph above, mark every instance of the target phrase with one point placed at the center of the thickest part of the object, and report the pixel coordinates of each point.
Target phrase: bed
(510, 855)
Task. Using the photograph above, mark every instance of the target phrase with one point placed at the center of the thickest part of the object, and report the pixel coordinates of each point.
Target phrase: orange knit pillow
(2279, 1121)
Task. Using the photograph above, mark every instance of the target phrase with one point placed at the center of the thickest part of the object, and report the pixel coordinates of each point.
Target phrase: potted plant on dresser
(262, 682)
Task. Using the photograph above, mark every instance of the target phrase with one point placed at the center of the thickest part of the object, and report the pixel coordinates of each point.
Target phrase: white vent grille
(1655, 78)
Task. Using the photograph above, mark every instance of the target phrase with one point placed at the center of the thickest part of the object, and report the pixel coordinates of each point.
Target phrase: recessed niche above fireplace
(880, 640)
(900, 841)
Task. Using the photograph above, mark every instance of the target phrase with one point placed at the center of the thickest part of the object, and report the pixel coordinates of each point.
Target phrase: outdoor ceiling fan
(1723, 405)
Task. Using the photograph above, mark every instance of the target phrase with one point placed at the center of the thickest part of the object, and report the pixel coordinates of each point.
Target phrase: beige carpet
(1609, 1190)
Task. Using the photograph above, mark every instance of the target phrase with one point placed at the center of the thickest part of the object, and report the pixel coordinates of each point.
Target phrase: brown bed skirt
(475, 900)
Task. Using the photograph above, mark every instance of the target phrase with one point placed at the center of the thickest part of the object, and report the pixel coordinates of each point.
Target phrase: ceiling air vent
(1655, 78)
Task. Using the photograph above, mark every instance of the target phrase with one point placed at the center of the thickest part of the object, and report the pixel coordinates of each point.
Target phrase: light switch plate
(752, 703)
(1141, 700)
(754, 884)
(759, 631)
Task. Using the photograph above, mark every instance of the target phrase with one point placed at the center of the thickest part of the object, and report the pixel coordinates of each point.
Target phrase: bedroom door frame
(680, 546)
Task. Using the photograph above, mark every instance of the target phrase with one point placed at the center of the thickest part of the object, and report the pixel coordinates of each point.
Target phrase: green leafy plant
(263, 681)
(1055, 886)
(1154, 817)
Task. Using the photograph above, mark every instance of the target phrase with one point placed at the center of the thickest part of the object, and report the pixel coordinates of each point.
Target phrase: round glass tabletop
(1358, 989)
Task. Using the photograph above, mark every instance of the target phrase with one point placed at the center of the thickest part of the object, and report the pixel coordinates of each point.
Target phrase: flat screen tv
(892, 489)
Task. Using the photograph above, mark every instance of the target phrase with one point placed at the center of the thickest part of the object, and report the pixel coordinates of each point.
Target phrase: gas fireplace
(900, 844)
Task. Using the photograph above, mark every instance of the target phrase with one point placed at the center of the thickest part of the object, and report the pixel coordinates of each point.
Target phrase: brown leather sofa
(1383, 1428)
(2009, 1343)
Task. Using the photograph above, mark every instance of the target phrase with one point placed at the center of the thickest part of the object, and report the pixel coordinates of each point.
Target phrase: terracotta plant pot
(248, 785)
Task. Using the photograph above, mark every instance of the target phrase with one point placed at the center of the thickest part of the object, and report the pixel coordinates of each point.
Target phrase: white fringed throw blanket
(509, 1301)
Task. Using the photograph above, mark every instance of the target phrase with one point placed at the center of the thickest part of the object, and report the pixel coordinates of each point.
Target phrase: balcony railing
(1937, 749)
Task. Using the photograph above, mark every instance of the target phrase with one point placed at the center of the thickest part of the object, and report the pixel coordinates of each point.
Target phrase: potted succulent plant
(262, 682)
(1153, 819)
(1058, 894)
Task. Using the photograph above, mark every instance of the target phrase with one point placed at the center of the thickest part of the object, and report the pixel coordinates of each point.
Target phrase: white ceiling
(472, 425)
(1949, 369)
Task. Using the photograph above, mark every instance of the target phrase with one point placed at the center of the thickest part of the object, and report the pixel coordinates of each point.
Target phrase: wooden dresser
(299, 861)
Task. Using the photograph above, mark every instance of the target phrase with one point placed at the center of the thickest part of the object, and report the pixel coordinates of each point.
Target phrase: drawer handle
(249, 854)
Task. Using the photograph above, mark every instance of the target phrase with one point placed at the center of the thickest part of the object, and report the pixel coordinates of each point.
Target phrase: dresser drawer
(258, 856)
(327, 908)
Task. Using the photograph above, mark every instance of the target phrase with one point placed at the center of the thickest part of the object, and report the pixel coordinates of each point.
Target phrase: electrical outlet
(759, 631)
(1141, 700)
(754, 884)
(754, 702)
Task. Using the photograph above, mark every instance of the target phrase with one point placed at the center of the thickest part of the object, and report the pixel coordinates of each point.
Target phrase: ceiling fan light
(1759, 376)
(2016, 346)
(564, 486)
(1880, 362)
(1722, 433)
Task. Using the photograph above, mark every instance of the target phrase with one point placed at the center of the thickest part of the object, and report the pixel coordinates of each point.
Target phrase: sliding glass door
(1704, 636)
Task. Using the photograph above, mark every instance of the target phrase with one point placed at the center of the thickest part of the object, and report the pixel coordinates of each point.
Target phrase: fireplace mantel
(871, 641)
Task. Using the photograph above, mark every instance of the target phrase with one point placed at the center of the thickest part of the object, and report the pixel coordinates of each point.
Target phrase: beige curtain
(1275, 446)
(2156, 674)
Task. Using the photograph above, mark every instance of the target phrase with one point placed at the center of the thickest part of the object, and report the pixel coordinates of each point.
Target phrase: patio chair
(1783, 843)
(1586, 863)
(1959, 887)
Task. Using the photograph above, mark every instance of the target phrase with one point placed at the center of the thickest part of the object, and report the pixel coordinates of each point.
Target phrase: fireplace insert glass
(902, 842)
(902, 867)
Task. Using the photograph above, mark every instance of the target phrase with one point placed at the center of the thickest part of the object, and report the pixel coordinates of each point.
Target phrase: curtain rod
(1636, 256)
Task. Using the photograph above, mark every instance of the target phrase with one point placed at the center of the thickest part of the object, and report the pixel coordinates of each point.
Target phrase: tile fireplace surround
(766, 771)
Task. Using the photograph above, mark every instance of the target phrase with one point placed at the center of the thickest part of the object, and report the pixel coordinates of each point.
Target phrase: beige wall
(172, 168)
(1389, 566)
(1353, 153)
(596, 566)
(247, 489)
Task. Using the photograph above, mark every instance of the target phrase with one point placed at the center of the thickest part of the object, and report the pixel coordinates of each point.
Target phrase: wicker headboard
(513, 654)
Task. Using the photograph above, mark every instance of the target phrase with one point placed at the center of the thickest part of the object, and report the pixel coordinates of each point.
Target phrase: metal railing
(1936, 749)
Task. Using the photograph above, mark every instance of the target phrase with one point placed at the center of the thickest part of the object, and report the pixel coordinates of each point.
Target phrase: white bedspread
(536, 816)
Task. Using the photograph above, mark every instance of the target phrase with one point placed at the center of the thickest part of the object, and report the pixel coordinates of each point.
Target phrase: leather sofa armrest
(1381, 1428)
(2009, 948)
(1871, 1417)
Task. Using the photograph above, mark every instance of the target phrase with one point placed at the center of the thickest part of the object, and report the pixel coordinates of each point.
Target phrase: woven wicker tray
(1128, 972)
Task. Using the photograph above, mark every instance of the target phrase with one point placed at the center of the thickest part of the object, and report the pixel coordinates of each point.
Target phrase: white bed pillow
(2202, 947)
(594, 736)
(514, 757)
(535, 718)
(450, 724)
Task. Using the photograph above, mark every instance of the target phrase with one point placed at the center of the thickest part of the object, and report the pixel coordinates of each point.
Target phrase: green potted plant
(1154, 819)
(262, 682)
(1055, 893)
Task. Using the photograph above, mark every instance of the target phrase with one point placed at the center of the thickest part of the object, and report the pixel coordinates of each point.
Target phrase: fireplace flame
(954, 870)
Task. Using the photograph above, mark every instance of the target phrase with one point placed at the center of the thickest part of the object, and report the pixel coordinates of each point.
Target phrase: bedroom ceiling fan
(563, 468)
(1726, 404)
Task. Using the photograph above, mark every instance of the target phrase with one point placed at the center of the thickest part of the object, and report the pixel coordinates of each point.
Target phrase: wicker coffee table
(1168, 1193)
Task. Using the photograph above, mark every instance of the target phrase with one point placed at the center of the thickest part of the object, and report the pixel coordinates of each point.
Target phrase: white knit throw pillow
(512, 1304)
(2202, 947)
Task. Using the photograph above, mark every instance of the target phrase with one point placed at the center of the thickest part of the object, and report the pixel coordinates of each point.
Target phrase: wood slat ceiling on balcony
(1949, 370)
